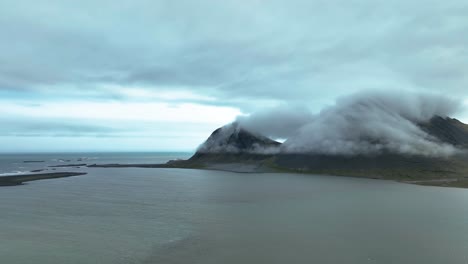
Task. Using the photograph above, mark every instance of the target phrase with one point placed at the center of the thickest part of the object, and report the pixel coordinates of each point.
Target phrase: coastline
(261, 168)
(14, 180)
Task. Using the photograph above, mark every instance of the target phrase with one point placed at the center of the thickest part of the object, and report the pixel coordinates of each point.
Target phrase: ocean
(135, 215)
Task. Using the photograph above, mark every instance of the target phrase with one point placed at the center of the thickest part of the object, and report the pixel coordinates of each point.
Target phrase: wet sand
(21, 179)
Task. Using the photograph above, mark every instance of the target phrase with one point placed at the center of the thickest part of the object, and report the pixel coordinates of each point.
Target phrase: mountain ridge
(450, 170)
(233, 148)
(449, 130)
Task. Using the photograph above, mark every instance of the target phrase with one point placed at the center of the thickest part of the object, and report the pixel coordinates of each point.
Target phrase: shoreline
(259, 168)
(15, 180)
(244, 168)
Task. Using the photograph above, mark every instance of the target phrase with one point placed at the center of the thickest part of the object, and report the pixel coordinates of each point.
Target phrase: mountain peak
(447, 130)
(233, 138)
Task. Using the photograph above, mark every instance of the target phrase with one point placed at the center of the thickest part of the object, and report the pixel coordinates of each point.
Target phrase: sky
(162, 75)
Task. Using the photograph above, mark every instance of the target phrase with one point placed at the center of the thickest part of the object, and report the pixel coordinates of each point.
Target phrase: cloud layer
(244, 55)
(364, 123)
(267, 51)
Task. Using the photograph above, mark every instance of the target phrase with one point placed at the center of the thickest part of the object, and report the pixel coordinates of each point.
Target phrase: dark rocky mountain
(232, 144)
(232, 147)
(447, 130)
(234, 139)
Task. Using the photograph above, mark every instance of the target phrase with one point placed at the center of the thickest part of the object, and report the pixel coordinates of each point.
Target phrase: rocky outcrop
(447, 130)
(234, 139)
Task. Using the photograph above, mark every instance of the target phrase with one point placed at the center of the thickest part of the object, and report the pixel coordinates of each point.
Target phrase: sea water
(132, 215)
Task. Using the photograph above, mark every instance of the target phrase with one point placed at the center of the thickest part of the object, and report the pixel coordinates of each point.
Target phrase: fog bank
(363, 123)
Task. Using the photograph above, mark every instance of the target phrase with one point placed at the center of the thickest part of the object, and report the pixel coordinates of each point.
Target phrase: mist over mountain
(365, 123)
(233, 138)
(407, 137)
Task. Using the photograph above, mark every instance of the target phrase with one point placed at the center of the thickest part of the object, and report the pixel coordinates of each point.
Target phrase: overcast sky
(159, 75)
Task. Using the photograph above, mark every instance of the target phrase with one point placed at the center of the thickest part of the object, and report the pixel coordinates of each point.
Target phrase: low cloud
(364, 123)
(279, 122)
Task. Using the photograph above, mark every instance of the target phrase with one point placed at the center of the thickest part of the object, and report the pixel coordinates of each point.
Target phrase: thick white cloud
(363, 123)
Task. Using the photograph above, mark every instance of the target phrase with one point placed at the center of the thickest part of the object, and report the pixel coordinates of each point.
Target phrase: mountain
(232, 144)
(234, 148)
(448, 130)
(233, 138)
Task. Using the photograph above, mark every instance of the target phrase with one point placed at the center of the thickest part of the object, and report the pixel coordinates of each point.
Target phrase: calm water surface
(193, 216)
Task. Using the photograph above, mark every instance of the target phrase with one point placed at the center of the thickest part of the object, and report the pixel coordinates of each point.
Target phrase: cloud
(365, 123)
(119, 111)
(25, 125)
(244, 55)
(40, 128)
(236, 51)
(277, 122)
